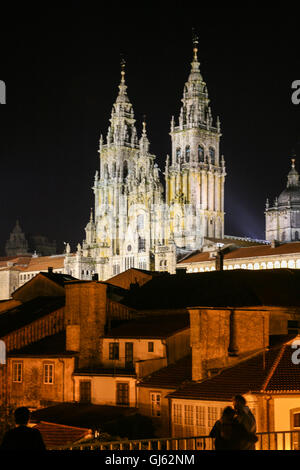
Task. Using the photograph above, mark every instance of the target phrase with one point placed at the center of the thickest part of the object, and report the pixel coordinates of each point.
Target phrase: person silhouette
(246, 418)
(228, 433)
(23, 437)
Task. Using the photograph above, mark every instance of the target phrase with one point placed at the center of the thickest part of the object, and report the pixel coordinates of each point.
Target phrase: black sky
(61, 68)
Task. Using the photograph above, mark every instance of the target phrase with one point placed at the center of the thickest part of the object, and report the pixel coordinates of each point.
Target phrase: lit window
(291, 264)
(270, 265)
(276, 264)
(250, 266)
(155, 404)
(236, 266)
(298, 263)
(230, 266)
(256, 265)
(244, 266)
(264, 266)
(283, 264)
(17, 371)
(48, 373)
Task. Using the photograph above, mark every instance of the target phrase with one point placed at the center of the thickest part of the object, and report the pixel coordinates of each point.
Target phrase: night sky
(61, 67)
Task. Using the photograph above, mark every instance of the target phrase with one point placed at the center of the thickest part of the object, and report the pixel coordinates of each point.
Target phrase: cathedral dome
(291, 195)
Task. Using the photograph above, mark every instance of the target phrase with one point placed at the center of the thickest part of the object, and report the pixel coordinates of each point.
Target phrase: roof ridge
(62, 425)
(274, 367)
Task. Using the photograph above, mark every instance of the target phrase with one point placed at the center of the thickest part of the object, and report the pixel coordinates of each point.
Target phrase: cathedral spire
(293, 176)
(144, 142)
(122, 130)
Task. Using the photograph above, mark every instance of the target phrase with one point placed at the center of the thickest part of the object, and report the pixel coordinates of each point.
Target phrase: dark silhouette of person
(246, 418)
(23, 437)
(229, 434)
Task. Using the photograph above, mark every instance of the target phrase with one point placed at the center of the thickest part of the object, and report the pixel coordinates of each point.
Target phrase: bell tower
(195, 175)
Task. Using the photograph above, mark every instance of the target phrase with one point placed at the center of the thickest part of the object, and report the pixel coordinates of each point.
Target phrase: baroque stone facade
(135, 222)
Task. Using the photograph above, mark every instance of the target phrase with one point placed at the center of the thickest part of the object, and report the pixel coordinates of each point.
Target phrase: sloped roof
(54, 345)
(55, 435)
(132, 276)
(248, 252)
(151, 326)
(235, 288)
(171, 376)
(28, 312)
(269, 372)
(79, 414)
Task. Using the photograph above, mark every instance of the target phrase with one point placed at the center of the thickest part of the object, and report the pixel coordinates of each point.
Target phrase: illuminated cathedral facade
(141, 219)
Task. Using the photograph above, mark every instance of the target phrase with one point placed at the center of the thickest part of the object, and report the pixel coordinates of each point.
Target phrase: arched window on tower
(212, 155)
(200, 153)
(178, 154)
(187, 153)
(125, 169)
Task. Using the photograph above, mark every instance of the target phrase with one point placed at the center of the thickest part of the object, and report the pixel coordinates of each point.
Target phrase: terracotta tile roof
(43, 262)
(271, 372)
(23, 314)
(171, 376)
(274, 287)
(131, 276)
(248, 252)
(151, 326)
(55, 435)
(15, 261)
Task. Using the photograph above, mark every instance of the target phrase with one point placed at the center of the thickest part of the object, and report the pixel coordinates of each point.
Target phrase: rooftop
(27, 312)
(171, 376)
(151, 326)
(247, 252)
(277, 287)
(268, 372)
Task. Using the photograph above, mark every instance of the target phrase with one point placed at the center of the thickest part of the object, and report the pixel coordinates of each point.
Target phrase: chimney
(50, 270)
(219, 261)
(274, 243)
(180, 271)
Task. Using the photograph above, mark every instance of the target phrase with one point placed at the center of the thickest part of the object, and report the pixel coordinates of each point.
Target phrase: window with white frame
(177, 414)
(48, 373)
(200, 415)
(213, 413)
(17, 371)
(188, 414)
(155, 399)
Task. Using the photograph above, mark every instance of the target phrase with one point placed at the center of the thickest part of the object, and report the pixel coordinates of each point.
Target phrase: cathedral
(138, 220)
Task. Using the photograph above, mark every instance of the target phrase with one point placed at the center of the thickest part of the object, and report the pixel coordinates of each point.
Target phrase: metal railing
(277, 440)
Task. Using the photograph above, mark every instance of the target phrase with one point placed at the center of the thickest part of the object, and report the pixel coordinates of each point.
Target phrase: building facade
(135, 222)
(283, 218)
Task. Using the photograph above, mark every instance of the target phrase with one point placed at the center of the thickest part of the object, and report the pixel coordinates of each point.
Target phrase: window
(213, 415)
(17, 371)
(212, 155)
(125, 169)
(296, 235)
(141, 244)
(48, 373)
(155, 399)
(187, 153)
(85, 391)
(178, 155)
(129, 262)
(113, 351)
(123, 393)
(188, 414)
(150, 346)
(140, 221)
(283, 236)
(200, 153)
(177, 414)
(116, 269)
(200, 415)
(296, 420)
